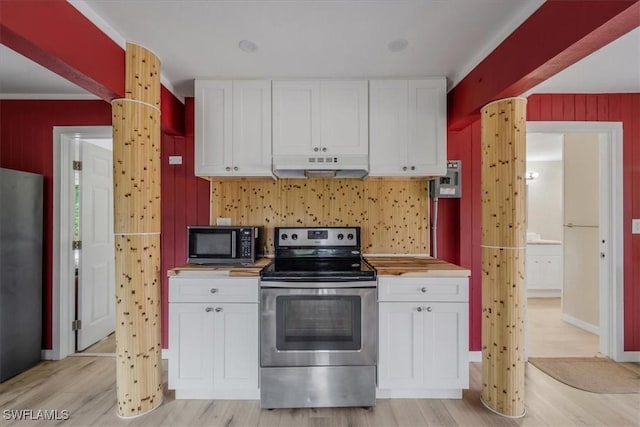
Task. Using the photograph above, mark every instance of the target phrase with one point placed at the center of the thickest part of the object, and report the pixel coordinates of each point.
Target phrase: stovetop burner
(327, 254)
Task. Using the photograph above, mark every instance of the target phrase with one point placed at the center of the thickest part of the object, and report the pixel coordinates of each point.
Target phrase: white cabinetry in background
(233, 128)
(213, 337)
(316, 117)
(544, 270)
(424, 337)
(408, 120)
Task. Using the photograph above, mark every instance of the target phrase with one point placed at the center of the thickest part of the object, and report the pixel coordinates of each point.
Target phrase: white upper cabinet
(320, 117)
(233, 128)
(408, 127)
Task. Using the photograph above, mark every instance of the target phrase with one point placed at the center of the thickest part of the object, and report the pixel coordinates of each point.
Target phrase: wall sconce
(531, 175)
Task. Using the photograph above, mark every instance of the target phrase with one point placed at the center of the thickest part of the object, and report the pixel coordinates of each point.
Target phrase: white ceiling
(321, 38)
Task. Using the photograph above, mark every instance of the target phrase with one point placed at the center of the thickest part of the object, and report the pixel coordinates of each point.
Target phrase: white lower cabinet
(424, 341)
(213, 346)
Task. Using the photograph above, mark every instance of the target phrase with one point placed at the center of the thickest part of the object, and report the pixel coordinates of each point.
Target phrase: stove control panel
(315, 237)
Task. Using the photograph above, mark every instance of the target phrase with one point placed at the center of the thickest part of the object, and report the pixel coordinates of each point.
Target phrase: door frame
(611, 226)
(63, 310)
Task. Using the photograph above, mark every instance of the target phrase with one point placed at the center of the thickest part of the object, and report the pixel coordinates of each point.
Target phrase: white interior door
(96, 287)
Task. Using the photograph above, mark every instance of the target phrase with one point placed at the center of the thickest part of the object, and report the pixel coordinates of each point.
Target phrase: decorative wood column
(503, 255)
(136, 172)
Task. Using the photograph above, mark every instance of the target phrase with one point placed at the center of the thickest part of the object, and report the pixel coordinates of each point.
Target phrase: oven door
(318, 327)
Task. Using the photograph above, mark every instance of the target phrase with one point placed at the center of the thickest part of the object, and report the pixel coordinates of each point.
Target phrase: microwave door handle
(233, 244)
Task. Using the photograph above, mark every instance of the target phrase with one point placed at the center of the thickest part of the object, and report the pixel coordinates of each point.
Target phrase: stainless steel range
(319, 321)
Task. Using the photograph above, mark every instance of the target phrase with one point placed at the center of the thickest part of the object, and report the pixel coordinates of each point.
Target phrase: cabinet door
(236, 352)
(296, 118)
(388, 102)
(401, 358)
(344, 116)
(213, 127)
(533, 272)
(251, 128)
(427, 120)
(191, 346)
(446, 345)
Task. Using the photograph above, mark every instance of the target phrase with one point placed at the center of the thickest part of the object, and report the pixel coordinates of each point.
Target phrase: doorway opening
(84, 276)
(574, 239)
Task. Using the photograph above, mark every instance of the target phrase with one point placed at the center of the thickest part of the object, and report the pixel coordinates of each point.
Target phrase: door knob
(419, 309)
(235, 168)
(324, 148)
(208, 309)
(423, 290)
(218, 309)
(316, 149)
(228, 168)
(213, 290)
(429, 309)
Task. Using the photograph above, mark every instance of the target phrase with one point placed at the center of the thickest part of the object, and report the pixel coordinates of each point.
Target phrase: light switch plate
(635, 226)
(175, 160)
(223, 221)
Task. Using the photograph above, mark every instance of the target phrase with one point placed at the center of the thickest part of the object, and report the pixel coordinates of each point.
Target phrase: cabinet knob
(228, 168)
(429, 309)
(419, 309)
(316, 149)
(423, 290)
(218, 309)
(413, 168)
(235, 168)
(404, 168)
(208, 309)
(213, 290)
(324, 148)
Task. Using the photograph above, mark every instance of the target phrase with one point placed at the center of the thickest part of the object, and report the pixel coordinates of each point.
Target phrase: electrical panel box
(448, 186)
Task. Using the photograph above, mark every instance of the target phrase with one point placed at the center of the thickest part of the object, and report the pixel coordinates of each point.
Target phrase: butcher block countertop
(415, 266)
(252, 270)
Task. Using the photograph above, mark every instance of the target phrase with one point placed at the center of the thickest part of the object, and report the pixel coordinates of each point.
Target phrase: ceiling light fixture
(397, 45)
(248, 46)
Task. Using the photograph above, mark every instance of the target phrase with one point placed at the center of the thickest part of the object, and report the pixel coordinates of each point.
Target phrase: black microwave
(223, 244)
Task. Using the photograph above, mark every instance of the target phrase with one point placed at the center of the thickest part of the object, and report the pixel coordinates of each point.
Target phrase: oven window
(312, 322)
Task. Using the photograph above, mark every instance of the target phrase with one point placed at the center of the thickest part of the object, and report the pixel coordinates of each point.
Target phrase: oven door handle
(319, 285)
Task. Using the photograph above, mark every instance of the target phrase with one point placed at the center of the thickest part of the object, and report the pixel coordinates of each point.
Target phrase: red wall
(465, 213)
(26, 143)
(185, 201)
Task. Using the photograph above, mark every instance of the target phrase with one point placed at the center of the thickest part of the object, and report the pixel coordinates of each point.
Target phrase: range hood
(304, 166)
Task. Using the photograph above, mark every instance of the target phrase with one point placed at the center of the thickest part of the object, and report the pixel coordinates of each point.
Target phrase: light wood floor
(104, 346)
(549, 336)
(85, 386)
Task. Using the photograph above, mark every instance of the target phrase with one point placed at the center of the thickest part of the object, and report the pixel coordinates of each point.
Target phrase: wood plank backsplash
(393, 214)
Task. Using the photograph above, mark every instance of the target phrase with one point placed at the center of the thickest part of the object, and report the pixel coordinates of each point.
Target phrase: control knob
(283, 237)
(350, 236)
(294, 236)
(340, 236)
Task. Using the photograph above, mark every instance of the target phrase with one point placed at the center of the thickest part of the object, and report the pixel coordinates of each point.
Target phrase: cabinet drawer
(231, 289)
(544, 250)
(423, 289)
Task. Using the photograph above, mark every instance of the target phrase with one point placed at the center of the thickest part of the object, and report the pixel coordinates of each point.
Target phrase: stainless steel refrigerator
(20, 271)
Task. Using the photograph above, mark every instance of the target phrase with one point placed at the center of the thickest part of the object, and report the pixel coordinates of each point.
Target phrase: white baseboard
(629, 356)
(544, 293)
(475, 356)
(48, 355)
(581, 324)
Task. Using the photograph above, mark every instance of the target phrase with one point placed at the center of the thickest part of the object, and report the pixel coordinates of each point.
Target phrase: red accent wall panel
(185, 201)
(26, 143)
(466, 144)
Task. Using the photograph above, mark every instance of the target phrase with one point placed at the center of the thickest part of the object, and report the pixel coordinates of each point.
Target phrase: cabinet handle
(324, 148)
(413, 168)
(404, 168)
(208, 309)
(429, 309)
(316, 149)
(228, 168)
(423, 290)
(419, 309)
(218, 309)
(213, 290)
(235, 168)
